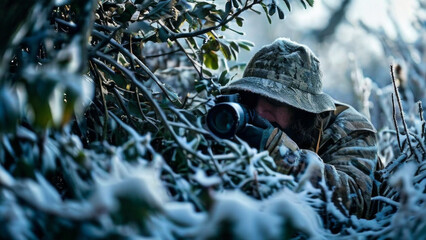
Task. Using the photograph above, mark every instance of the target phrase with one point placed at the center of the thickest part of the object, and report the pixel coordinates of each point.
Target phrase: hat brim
(314, 103)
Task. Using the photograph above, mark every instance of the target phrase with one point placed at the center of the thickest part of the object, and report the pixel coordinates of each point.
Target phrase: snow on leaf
(5, 178)
(50, 194)
(144, 188)
(184, 213)
(103, 200)
(15, 222)
(292, 208)
(403, 176)
(206, 181)
(243, 216)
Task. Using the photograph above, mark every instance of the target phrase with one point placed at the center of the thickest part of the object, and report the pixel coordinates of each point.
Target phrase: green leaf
(122, 60)
(199, 87)
(303, 3)
(211, 60)
(280, 13)
(235, 46)
(287, 3)
(234, 50)
(244, 47)
(191, 40)
(223, 78)
(207, 72)
(310, 2)
(239, 21)
(265, 9)
(225, 50)
(215, 17)
(272, 9)
(190, 21)
(245, 44)
(228, 8)
(235, 31)
(254, 10)
(235, 3)
(129, 10)
(202, 9)
(211, 45)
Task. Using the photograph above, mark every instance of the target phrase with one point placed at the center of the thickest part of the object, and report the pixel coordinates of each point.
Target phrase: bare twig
(111, 86)
(183, 118)
(215, 164)
(256, 186)
(117, 95)
(394, 164)
(98, 76)
(198, 67)
(198, 56)
(141, 111)
(395, 123)
(386, 200)
(422, 119)
(106, 40)
(421, 111)
(401, 111)
(420, 143)
(192, 128)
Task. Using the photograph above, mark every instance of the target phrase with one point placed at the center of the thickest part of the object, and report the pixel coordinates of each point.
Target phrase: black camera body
(228, 116)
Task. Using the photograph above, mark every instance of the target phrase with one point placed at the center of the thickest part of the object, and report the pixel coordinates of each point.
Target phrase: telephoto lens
(228, 117)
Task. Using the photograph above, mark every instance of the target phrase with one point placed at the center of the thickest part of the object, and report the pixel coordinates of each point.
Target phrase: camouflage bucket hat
(286, 72)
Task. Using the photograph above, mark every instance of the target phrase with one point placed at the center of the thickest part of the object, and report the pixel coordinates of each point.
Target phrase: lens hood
(226, 119)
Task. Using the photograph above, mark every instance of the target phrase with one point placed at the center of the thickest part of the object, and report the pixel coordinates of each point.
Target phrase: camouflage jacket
(346, 159)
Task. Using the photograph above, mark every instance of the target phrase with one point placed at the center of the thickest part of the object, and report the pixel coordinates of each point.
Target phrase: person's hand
(279, 138)
(257, 132)
(304, 165)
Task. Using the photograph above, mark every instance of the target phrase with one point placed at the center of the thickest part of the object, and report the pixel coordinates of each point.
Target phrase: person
(308, 134)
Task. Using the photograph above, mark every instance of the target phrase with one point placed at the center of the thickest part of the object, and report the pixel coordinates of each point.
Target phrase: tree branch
(173, 36)
(132, 57)
(154, 103)
(395, 123)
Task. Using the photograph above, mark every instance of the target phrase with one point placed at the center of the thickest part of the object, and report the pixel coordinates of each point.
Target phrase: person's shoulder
(351, 119)
(346, 121)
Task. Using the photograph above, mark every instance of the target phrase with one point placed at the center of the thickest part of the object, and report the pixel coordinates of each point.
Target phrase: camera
(228, 116)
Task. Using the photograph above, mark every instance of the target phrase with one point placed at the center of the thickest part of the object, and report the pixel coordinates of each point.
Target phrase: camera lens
(224, 122)
(226, 119)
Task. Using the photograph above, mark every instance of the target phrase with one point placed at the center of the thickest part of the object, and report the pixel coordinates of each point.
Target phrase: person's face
(274, 112)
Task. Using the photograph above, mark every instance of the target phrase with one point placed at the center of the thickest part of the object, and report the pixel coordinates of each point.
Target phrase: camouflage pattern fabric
(345, 161)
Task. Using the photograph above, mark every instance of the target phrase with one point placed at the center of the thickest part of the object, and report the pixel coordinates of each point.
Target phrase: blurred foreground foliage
(102, 134)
